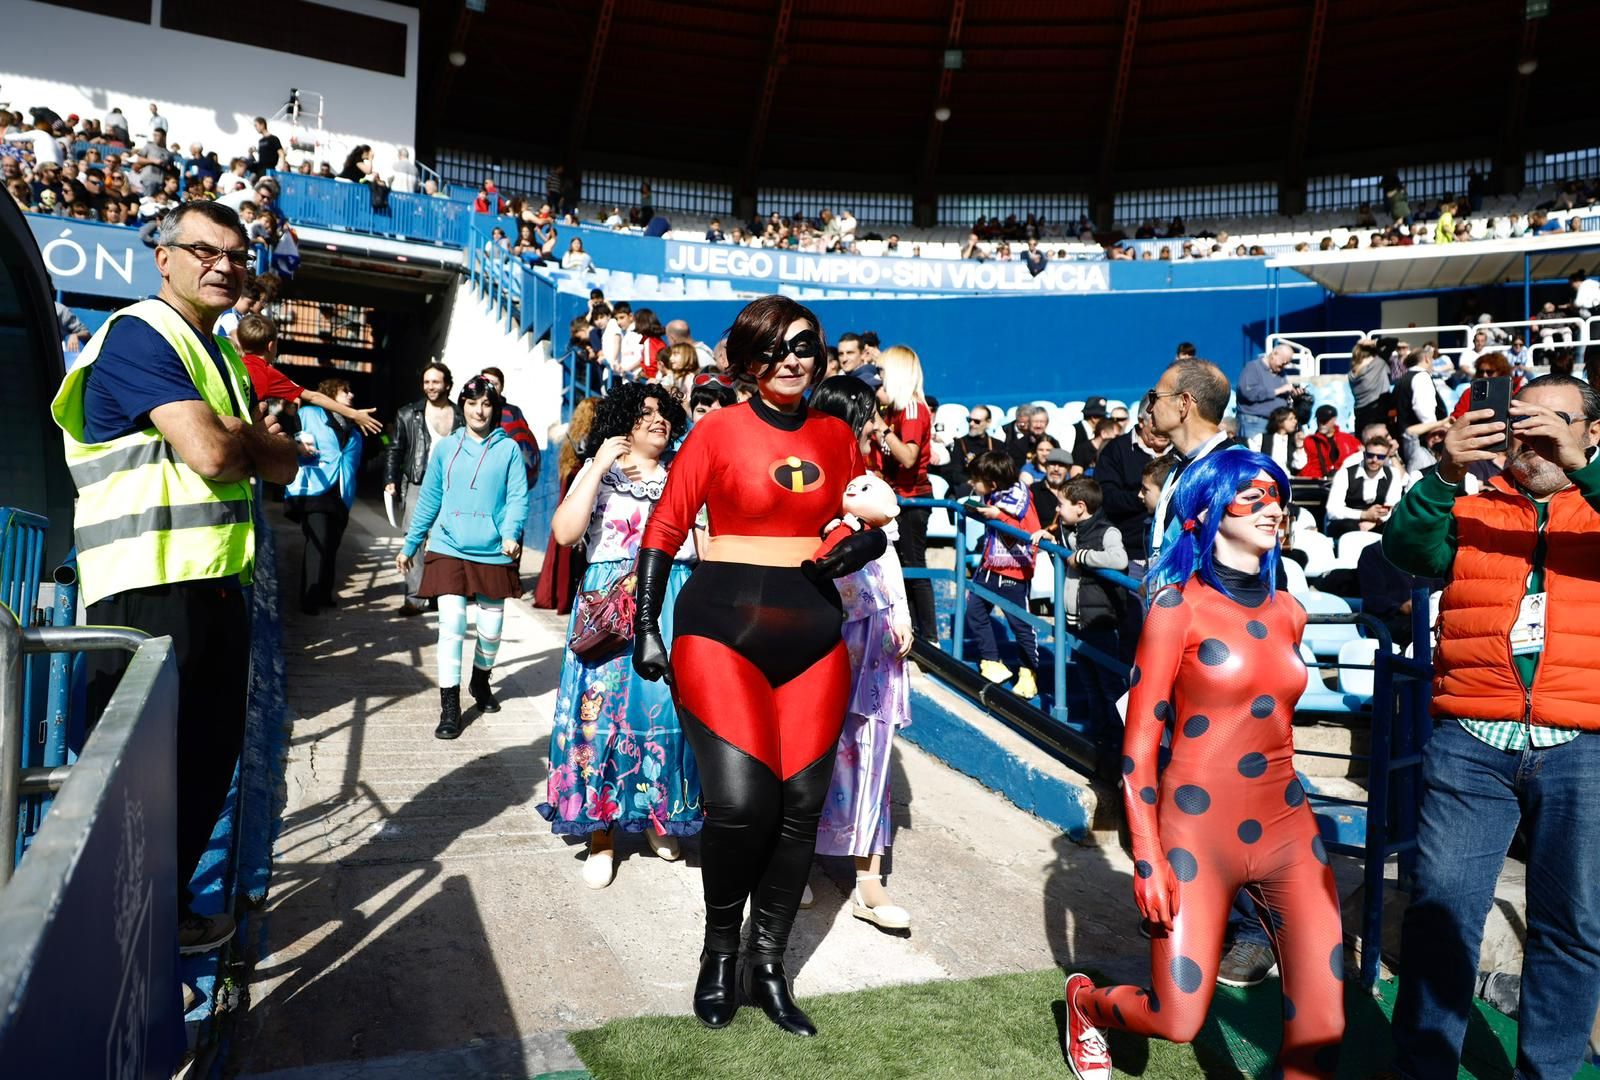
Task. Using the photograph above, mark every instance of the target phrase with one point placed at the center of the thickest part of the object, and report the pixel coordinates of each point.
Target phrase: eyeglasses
(806, 345)
(1154, 396)
(1569, 419)
(1376, 457)
(209, 256)
(976, 420)
(707, 377)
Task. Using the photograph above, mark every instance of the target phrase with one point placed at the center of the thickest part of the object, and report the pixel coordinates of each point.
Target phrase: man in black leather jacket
(417, 427)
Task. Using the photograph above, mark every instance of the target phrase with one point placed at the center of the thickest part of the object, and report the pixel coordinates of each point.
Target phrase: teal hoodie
(473, 497)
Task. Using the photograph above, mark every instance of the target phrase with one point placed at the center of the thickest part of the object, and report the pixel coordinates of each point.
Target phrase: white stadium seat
(1351, 545)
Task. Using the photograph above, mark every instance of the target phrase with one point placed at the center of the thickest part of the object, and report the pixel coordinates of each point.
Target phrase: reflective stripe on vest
(143, 516)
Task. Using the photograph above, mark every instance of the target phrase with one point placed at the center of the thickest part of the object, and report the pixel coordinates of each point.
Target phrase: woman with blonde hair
(902, 458)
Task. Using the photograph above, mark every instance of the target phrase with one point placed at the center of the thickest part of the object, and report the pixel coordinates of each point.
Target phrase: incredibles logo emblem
(795, 474)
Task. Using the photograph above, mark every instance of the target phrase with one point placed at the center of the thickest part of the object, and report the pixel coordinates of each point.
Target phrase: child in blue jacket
(471, 508)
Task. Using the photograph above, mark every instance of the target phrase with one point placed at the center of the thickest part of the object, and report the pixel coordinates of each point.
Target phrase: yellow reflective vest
(144, 517)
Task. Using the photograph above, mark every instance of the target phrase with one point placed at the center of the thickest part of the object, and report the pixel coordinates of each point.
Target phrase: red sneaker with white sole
(1085, 1044)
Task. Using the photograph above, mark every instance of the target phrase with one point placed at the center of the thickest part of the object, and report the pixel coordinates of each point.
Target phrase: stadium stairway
(476, 339)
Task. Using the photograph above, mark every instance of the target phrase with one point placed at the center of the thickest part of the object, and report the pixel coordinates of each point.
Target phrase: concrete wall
(209, 90)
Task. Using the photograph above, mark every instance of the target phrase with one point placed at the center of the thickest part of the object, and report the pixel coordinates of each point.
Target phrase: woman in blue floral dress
(618, 758)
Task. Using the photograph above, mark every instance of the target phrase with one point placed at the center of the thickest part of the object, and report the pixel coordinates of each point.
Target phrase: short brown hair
(256, 332)
(759, 329)
(499, 375)
(332, 388)
(1156, 469)
(1083, 489)
(995, 468)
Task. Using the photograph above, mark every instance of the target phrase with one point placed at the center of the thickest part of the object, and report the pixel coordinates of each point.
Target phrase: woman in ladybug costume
(1219, 671)
(759, 670)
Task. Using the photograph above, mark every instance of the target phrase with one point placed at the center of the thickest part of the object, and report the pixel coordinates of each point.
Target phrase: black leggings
(912, 547)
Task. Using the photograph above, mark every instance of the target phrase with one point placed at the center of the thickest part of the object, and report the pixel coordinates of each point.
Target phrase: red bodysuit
(760, 674)
(1226, 812)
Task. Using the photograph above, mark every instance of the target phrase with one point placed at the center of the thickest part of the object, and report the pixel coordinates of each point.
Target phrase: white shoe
(599, 868)
(885, 916)
(665, 847)
(808, 899)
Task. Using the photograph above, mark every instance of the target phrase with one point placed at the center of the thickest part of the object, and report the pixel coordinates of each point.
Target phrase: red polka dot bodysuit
(1226, 812)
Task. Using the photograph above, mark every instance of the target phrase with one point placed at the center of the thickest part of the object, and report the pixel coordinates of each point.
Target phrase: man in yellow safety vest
(163, 441)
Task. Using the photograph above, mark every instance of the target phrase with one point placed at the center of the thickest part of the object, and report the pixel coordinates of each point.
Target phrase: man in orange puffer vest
(1516, 697)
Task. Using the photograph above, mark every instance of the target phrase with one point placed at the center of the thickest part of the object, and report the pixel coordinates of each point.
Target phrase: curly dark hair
(621, 409)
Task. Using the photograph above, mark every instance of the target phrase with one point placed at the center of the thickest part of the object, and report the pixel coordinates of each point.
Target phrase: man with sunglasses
(1363, 493)
(164, 442)
(1516, 739)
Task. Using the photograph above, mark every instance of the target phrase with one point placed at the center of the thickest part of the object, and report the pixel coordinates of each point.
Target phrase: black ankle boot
(766, 985)
(482, 697)
(449, 713)
(716, 997)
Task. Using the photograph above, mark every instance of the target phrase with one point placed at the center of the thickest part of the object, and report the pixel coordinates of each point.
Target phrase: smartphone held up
(1495, 394)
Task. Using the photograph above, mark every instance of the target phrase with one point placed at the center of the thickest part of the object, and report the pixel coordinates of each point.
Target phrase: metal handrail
(16, 642)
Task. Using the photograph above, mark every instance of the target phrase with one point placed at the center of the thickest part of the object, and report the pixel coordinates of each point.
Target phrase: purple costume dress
(855, 816)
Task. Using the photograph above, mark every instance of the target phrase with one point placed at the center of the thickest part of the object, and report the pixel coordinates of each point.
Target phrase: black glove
(848, 556)
(649, 652)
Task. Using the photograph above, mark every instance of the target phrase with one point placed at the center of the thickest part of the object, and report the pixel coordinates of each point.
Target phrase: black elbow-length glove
(649, 652)
(848, 555)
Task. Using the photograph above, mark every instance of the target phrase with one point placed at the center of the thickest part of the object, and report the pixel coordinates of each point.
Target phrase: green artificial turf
(999, 1026)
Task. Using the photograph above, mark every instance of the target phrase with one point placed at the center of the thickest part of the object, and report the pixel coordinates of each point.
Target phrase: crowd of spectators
(103, 170)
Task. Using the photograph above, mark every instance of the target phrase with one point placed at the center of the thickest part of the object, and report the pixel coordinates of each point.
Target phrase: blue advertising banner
(100, 260)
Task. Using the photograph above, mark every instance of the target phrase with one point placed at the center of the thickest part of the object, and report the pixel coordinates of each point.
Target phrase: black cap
(1326, 413)
(1094, 408)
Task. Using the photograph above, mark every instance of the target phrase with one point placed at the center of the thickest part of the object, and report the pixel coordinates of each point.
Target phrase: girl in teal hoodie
(471, 509)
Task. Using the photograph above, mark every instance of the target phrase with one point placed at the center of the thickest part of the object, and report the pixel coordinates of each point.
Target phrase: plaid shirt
(1513, 735)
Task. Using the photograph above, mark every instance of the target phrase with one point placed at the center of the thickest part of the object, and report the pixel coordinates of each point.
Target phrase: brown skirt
(446, 575)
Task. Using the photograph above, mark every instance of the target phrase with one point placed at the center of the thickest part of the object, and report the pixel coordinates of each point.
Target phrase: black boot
(449, 713)
(767, 986)
(479, 688)
(716, 998)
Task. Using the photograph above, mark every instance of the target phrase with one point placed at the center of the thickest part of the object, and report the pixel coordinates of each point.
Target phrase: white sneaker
(665, 847)
(599, 868)
(884, 916)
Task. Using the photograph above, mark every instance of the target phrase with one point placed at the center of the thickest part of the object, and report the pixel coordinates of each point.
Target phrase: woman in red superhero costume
(758, 669)
(1219, 671)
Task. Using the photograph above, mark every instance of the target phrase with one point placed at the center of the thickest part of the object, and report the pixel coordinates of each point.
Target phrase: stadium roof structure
(1053, 95)
(1431, 267)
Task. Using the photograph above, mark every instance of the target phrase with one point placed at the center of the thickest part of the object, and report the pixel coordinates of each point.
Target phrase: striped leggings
(453, 634)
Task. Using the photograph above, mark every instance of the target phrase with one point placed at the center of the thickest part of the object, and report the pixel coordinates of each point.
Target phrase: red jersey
(757, 472)
(268, 381)
(913, 424)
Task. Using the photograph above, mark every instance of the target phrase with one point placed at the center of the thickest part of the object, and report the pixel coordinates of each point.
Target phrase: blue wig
(1202, 495)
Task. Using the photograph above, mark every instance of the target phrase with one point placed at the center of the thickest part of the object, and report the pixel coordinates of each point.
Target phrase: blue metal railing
(340, 204)
(1400, 716)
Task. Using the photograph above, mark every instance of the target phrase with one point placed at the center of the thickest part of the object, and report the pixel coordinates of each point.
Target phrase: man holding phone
(1516, 744)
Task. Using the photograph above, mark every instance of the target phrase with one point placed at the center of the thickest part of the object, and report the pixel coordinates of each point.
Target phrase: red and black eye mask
(1246, 503)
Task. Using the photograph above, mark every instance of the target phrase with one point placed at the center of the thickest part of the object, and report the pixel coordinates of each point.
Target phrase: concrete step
(1352, 736)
